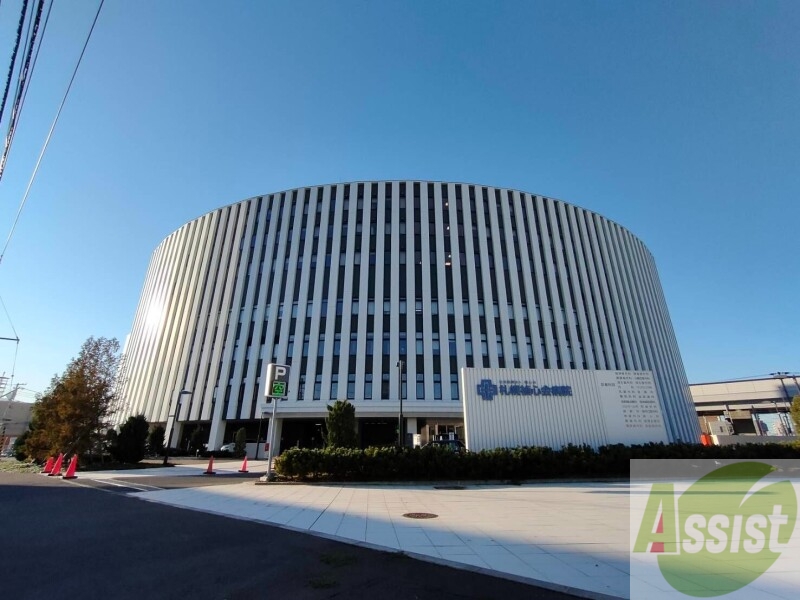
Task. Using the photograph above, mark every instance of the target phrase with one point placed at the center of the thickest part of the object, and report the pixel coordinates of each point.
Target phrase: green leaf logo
(728, 536)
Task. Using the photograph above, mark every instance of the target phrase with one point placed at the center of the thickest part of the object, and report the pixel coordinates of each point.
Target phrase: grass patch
(12, 465)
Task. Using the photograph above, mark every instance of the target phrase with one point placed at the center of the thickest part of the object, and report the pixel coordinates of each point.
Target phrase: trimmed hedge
(523, 463)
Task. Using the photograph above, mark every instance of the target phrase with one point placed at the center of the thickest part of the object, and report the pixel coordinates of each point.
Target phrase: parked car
(454, 445)
(229, 447)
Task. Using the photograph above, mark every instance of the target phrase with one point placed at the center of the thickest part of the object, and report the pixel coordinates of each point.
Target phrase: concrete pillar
(216, 435)
(411, 429)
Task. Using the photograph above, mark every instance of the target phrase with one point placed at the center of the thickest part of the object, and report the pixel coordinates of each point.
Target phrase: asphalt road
(64, 541)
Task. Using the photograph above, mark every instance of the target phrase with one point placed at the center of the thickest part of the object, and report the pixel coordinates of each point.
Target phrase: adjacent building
(755, 406)
(375, 291)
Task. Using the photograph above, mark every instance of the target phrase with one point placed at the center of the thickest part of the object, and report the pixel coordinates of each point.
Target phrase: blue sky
(679, 120)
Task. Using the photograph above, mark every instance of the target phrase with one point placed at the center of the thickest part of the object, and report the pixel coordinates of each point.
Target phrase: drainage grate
(420, 515)
(449, 487)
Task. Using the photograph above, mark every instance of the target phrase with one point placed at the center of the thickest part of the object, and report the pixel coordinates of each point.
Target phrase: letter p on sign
(277, 380)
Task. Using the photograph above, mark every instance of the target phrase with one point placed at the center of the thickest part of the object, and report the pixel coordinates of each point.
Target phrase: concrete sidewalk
(567, 537)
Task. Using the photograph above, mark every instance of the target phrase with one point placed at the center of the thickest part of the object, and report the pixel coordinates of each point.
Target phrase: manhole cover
(420, 515)
(449, 487)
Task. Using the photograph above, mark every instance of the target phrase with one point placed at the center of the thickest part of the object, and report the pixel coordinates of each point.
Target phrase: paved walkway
(571, 537)
(568, 537)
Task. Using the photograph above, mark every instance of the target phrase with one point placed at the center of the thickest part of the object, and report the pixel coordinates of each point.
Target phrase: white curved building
(343, 281)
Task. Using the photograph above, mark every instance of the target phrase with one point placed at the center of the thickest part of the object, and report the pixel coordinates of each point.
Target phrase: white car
(230, 447)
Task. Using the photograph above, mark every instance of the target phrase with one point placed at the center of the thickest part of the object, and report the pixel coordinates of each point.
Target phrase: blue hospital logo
(486, 389)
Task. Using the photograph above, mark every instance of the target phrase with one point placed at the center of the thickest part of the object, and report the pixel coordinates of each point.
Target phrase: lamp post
(173, 416)
(400, 436)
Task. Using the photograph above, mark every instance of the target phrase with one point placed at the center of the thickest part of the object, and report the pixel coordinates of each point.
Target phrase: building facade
(345, 282)
(752, 407)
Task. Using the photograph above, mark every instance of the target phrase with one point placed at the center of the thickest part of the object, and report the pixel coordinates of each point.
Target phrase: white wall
(605, 407)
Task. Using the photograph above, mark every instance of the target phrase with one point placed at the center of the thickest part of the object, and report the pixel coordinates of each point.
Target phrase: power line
(22, 84)
(14, 56)
(50, 134)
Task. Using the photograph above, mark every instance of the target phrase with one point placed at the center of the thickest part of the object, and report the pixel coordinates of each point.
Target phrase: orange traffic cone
(210, 469)
(48, 466)
(73, 464)
(56, 470)
(244, 466)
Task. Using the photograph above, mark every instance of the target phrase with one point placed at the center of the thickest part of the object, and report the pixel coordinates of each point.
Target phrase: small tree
(131, 441)
(795, 411)
(73, 413)
(341, 425)
(240, 441)
(155, 440)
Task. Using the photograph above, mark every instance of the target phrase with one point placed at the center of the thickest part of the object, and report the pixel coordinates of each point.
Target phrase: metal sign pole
(272, 426)
(276, 380)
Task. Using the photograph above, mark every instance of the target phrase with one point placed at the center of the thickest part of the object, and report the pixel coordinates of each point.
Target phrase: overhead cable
(22, 83)
(14, 56)
(50, 134)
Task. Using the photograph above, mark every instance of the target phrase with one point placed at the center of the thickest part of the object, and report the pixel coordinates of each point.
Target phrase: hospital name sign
(487, 390)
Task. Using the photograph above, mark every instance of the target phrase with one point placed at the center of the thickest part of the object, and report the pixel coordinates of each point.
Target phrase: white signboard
(505, 408)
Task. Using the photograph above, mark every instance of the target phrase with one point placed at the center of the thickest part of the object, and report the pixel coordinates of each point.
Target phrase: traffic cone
(73, 464)
(48, 466)
(210, 469)
(244, 466)
(56, 470)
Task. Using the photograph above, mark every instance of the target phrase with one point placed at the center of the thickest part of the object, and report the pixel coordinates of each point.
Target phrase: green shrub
(155, 440)
(340, 425)
(522, 463)
(129, 445)
(20, 452)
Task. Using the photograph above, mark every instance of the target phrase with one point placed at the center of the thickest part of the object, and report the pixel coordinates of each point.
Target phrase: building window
(353, 343)
(351, 386)
(453, 386)
(420, 386)
(337, 344)
(437, 386)
(368, 386)
(334, 386)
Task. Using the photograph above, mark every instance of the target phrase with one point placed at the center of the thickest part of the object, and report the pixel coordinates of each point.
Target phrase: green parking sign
(278, 389)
